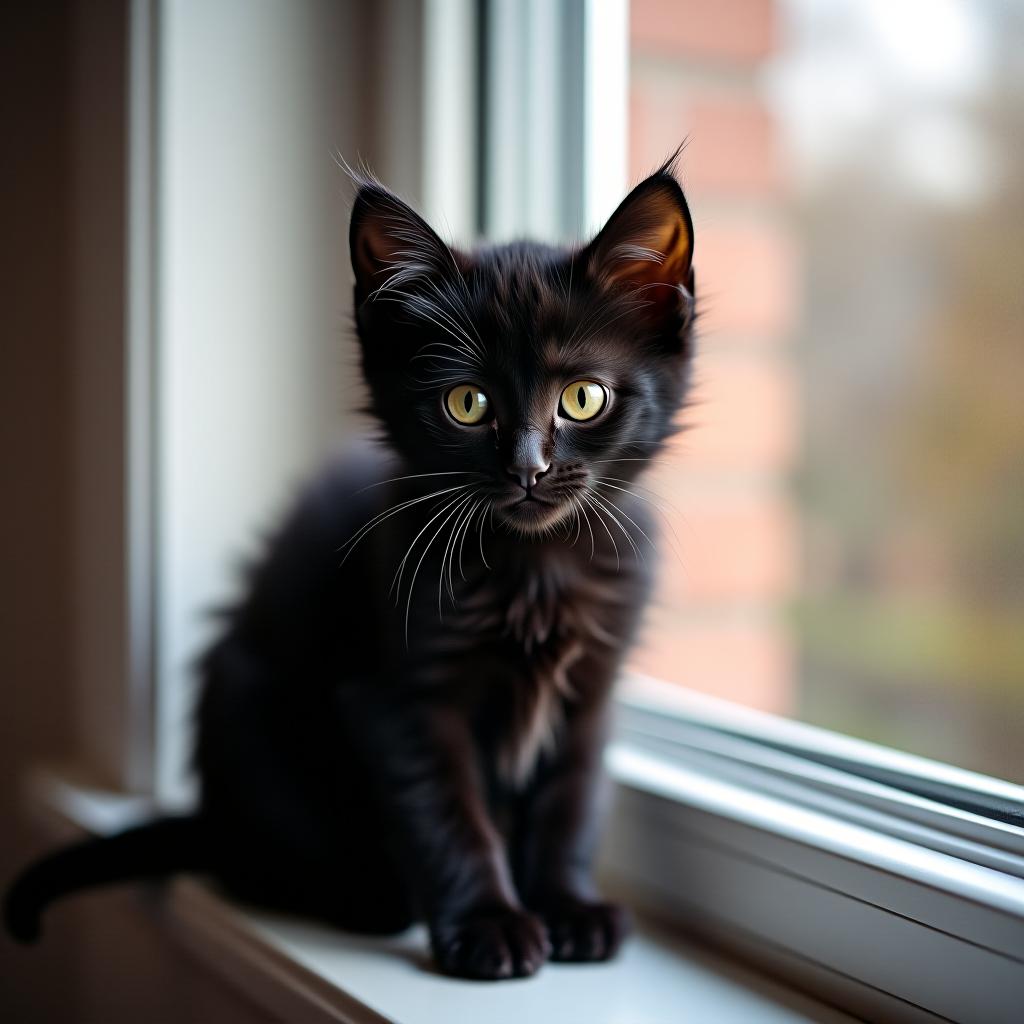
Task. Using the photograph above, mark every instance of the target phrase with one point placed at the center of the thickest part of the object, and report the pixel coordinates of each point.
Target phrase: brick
(743, 416)
(736, 31)
(643, 157)
(731, 150)
(721, 548)
(732, 146)
(653, 133)
(751, 663)
(746, 278)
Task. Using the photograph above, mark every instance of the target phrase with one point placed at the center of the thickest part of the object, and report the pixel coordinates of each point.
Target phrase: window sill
(888, 885)
(299, 970)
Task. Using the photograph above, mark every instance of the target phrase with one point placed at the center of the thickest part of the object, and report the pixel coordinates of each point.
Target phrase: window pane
(849, 504)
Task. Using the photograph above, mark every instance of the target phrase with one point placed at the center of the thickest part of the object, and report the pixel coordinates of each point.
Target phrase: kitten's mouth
(533, 513)
(529, 507)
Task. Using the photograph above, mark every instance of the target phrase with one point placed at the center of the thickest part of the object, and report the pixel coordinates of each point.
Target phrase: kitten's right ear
(392, 246)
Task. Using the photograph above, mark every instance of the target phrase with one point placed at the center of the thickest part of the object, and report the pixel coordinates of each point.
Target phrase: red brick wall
(718, 623)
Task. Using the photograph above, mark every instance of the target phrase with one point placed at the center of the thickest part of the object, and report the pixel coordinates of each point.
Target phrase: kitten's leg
(426, 777)
(559, 832)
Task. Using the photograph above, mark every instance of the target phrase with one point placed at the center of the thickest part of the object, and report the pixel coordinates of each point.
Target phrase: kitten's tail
(159, 848)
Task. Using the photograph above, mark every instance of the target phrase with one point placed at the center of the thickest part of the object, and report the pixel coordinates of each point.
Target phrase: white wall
(254, 367)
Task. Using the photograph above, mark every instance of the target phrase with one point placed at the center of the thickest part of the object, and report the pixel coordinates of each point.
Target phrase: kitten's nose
(527, 464)
(527, 476)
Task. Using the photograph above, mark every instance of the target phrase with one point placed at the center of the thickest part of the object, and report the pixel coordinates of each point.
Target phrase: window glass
(848, 503)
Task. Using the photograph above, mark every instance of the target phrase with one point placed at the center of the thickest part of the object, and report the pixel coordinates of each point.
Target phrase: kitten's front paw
(500, 944)
(582, 931)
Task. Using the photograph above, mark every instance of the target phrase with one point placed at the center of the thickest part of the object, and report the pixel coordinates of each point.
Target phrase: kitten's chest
(529, 612)
(519, 639)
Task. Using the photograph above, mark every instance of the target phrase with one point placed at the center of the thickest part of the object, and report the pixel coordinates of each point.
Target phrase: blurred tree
(912, 484)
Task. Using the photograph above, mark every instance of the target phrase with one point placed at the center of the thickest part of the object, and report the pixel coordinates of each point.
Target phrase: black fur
(379, 742)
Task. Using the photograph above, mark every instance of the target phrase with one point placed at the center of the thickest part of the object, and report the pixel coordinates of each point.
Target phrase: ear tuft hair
(392, 246)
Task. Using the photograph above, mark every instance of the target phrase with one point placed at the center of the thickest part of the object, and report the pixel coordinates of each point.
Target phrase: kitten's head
(532, 370)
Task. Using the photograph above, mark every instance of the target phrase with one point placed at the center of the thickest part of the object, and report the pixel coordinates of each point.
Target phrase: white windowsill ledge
(303, 971)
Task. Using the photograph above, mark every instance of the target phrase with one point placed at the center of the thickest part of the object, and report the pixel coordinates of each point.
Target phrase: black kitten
(404, 717)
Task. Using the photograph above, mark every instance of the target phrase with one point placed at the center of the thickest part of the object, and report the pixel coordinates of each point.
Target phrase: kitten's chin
(535, 516)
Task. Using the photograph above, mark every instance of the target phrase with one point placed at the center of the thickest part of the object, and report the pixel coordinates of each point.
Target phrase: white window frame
(555, 131)
(879, 881)
(205, 470)
(775, 839)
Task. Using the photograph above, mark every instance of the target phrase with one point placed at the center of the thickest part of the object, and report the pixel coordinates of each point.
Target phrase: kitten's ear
(392, 246)
(647, 246)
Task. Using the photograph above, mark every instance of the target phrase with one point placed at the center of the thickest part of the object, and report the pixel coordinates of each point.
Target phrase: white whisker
(624, 514)
(450, 547)
(590, 530)
(483, 516)
(468, 352)
(600, 518)
(417, 476)
(380, 517)
(604, 502)
(396, 583)
(415, 572)
(465, 530)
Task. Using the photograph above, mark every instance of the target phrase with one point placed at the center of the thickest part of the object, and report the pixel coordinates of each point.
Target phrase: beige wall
(62, 420)
(106, 958)
(34, 440)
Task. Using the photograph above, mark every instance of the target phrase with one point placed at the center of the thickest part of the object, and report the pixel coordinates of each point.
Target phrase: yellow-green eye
(583, 400)
(467, 404)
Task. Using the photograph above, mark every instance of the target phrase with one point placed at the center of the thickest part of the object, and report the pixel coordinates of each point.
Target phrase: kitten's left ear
(392, 246)
(647, 247)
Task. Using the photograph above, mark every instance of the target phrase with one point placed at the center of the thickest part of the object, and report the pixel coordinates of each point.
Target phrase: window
(846, 509)
(848, 504)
